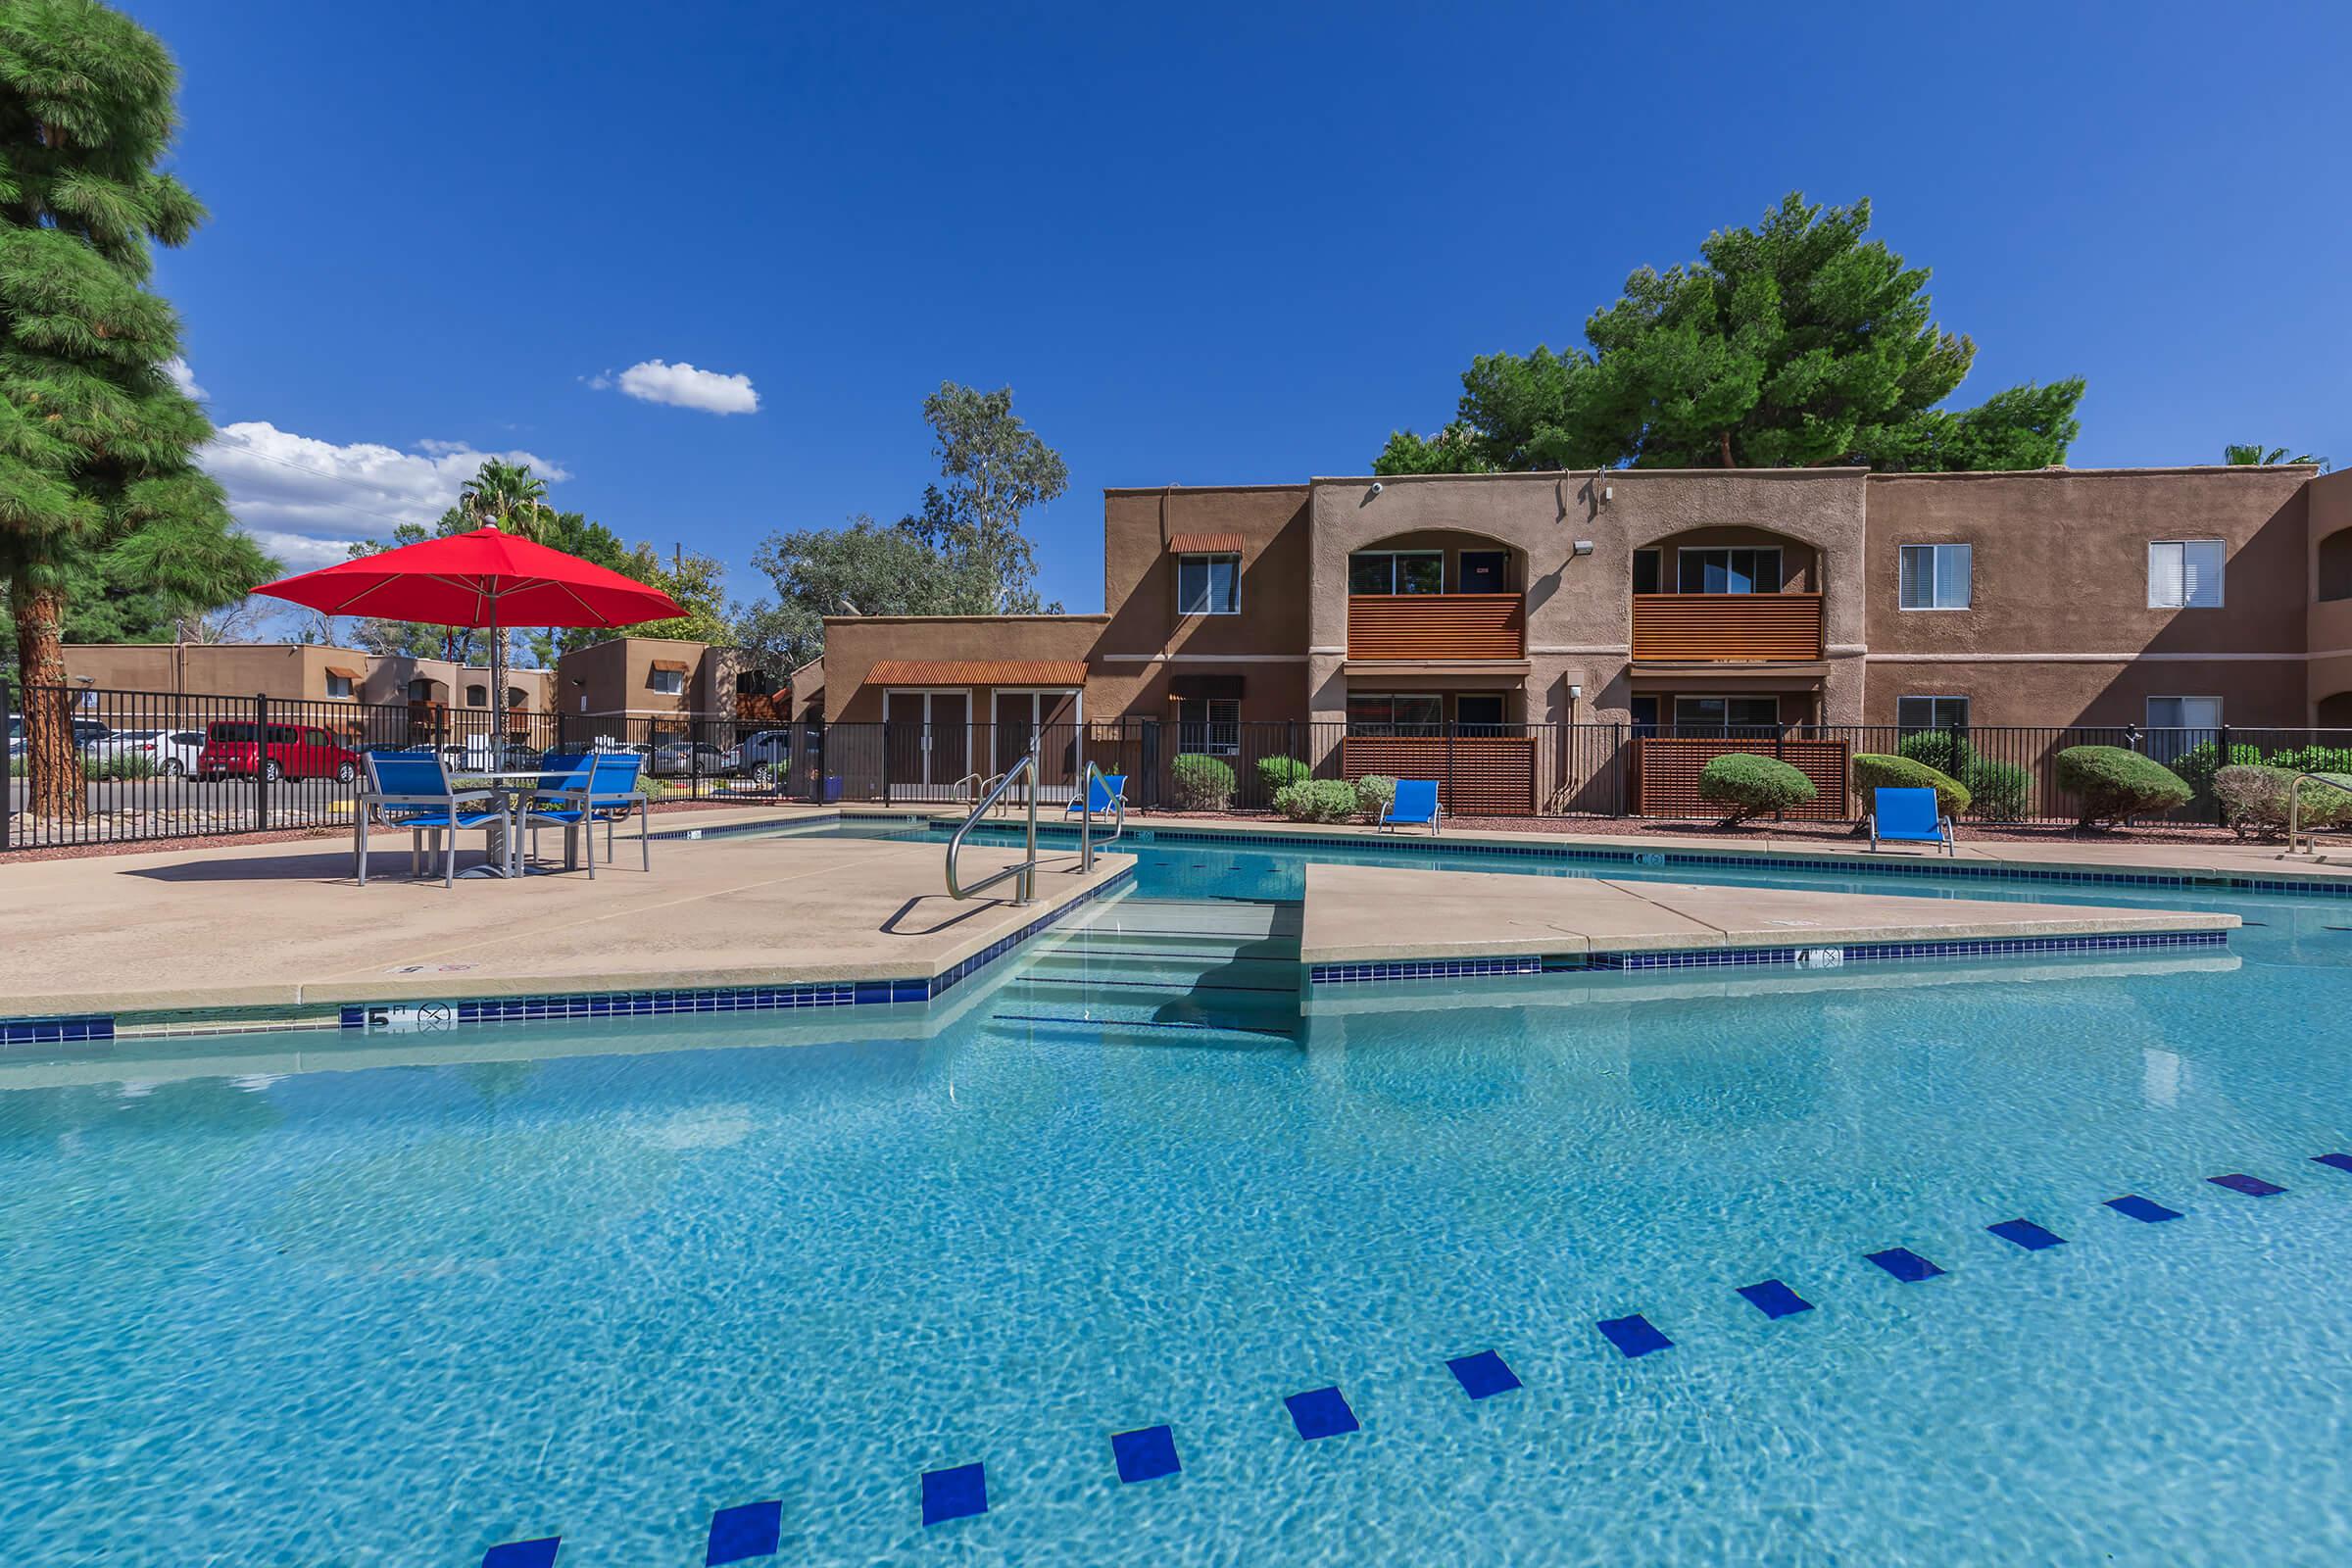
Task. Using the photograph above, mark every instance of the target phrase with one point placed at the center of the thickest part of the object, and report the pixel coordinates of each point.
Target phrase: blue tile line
(1385, 971)
(69, 1029)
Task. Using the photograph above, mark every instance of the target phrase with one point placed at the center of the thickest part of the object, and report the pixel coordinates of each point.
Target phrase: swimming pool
(602, 1282)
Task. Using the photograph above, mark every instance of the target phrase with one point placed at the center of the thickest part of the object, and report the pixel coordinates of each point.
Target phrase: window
(477, 697)
(1735, 571)
(1479, 712)
(1208, 585)
(2184, 574)
(1484, 571)
(1396, 713)
(1722, 712)
(514, 697)
(1397, 571)
(1931, 712)
(1937, 576)
(1212, 725)
(669, 682)
(421, 691)
(1646, 578)
(2184, 713)
(755, 683)
(338, 685)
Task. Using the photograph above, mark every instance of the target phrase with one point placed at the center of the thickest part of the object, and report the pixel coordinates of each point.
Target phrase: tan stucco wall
(2060, 568)
(854, 644)
(613, 678)
(2329, 634)
(1147, 642)
(1580, 607)
(285, 671)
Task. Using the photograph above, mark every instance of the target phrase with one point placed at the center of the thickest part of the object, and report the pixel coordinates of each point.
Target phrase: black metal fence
(159, 766)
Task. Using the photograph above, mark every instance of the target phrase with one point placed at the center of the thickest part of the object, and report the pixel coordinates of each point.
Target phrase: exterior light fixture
(1377, 487)
(1583, 547)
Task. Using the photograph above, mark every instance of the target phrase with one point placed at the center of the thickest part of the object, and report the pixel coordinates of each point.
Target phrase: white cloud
(682, 386)
(182, 378)
(306, 500)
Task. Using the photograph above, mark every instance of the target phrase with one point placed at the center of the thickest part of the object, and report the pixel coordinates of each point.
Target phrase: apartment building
(660, 687)
(299, 673)
(2161, 598)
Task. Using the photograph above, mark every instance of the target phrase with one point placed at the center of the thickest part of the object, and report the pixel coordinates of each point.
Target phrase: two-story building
(1482, 605)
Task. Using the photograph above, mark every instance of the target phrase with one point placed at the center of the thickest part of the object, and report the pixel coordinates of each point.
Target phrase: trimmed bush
(1940, 749)
(1997, 791)
(2113, 784)
(1877, 772)
(1275, 774)
(1316, 800)
(1375, 792)
(1200, 783)
(1750, 786)
(2255, 800)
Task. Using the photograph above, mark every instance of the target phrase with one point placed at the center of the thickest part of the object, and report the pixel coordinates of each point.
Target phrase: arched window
(477, 697)
(421, 691)
(514, 697)
(2335, 564)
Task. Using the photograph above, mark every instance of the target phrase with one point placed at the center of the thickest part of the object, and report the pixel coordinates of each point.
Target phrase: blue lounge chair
(412, 789)
(1416, 802)
(609, 795)
(558, 771)
(1908, 817)
(1109, 791)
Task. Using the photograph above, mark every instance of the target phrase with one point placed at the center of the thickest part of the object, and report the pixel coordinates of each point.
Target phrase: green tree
(992, 468)
(506, 496)
(867, 569)
(98, 481)
(2262, 457)
(1795, 343)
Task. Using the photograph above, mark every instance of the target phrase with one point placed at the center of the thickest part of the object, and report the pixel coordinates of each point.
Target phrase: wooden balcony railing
(1727, 628)
(1437, 626)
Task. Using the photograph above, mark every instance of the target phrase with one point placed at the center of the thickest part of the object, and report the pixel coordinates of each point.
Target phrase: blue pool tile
(2339, 1161)
(1483, 1375)
(523, 1554)
(1904, 1264)
(958, 1493)
(2251, 1186)
(2026, 1234)
(744, 1532)
(2134, 1206)
(1634, 1335)
(1774, 1300)
(1144, 1454)
(1320, 1413)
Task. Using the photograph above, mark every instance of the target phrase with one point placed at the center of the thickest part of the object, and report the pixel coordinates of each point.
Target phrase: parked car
(687, 757)
(767, 748)
(16, 734)
(87, 732)
(289, 750)
(173, 751)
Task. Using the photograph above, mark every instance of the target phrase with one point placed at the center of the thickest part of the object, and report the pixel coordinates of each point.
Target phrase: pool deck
(1371, 913)
(278, 925)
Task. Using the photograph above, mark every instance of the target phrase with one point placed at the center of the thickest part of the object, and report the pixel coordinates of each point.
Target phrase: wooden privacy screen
(1727, 628)
(1493, 775)
(1436, 626)
(1666, 773)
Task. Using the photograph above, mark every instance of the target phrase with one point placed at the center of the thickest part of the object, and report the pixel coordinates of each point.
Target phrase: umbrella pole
(498, 689)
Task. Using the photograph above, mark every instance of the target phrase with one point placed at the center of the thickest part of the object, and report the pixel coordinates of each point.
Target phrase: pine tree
(97, 473)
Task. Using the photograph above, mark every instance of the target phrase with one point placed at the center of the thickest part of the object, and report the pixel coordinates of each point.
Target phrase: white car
(172, 750)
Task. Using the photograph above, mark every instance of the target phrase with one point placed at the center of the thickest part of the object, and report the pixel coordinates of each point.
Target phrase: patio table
(506, 845)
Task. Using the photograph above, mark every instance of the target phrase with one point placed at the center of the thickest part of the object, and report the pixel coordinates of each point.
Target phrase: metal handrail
(1025, 891)
(962, 794)
(1086, 824)
(2294, 802)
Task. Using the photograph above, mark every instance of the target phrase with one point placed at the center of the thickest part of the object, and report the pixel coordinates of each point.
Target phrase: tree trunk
(57, 787)
(1726, 440)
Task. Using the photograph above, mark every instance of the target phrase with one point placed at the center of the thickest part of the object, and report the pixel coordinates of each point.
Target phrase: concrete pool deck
(278, 925)
(1374, 914)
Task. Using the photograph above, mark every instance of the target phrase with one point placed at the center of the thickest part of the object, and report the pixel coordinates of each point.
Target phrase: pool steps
(960, 1492)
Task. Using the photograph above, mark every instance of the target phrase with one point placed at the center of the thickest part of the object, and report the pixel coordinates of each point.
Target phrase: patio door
(928, 742)
(1050, 718)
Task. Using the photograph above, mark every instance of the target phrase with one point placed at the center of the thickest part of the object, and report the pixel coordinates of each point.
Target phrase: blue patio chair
(412, 789)
(1908, 817)
(558, 771)
(609, 795)
(1108, 790)
(1416, 804)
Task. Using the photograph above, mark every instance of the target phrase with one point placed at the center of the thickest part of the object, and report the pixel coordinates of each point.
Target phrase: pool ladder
(2295, 809)
(1024, 889)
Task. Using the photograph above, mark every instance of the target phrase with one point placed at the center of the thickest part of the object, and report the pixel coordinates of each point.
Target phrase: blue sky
(1202, 245)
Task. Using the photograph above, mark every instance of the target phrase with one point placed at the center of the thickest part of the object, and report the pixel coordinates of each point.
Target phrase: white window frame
(654, 680)
(1209, 605)
(2181, 600)
(1393, 556)
(1935, 581)
(2147, 714)
(1781, 578)
(1934, 699)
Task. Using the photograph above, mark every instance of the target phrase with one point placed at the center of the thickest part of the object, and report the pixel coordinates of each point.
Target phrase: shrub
(2113, 784)
(1275, 774)
(1876, 773)
(118, 764)
(1200, 783)
(1997, 791)
(655, 789)
(1316, 800)
(1943, 751)
(1375, 792)
(2255, 800)
(1750, 786)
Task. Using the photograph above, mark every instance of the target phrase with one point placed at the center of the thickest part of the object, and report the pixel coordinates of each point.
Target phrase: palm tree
(506, 496)
(2259, 457)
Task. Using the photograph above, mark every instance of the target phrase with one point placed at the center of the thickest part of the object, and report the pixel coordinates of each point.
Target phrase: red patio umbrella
(486, 578)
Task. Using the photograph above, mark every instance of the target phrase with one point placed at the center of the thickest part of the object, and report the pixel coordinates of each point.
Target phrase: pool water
(600, 1284)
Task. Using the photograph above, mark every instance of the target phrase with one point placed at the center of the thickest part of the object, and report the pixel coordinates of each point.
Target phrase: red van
(292, 750)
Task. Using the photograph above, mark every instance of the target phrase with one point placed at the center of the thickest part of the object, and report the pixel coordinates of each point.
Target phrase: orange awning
(339, 671)
(678, 664)
(1205, 544)
(978, 673)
